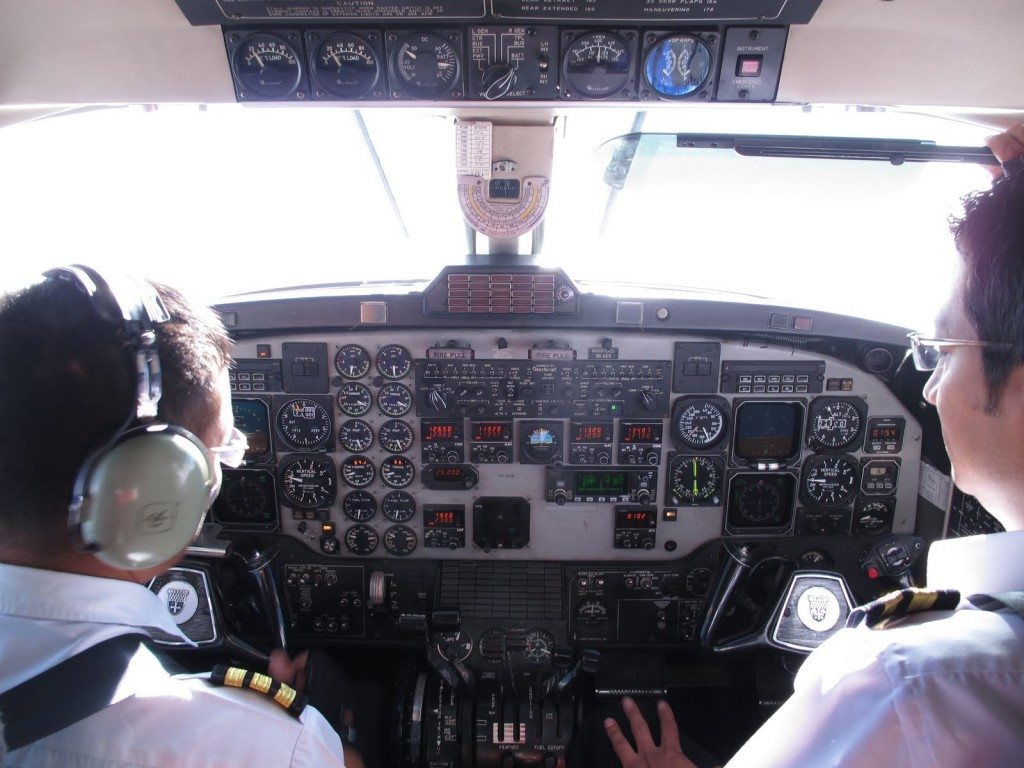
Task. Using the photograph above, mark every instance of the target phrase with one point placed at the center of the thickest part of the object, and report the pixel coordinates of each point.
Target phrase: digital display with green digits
(607, 483)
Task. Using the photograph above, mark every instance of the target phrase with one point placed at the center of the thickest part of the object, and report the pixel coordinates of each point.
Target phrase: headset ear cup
(146, 496)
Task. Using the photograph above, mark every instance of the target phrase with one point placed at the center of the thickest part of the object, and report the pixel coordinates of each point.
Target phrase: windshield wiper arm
(895, 151)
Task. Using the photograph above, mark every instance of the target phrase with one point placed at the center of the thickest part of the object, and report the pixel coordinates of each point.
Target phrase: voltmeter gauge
(352, 361)
(400, 540)
(597, 65)
(698, 424)
(394, 361)
(267, 65)
(304, 424)
(307, 482)
(829, 481)
(354, 399)
(359, 506)
(678, 66)
(426, 64)
(346, 65)
(833, 424)
(696, 479)
(358, 471)
(355, 436)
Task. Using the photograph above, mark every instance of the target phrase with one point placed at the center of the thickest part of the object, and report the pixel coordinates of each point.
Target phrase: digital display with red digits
(444, 518)
(442, 432)
(591, 433)
(641, 433)
(448, 473)
(635, 518)
(492, 432)
(885, 433)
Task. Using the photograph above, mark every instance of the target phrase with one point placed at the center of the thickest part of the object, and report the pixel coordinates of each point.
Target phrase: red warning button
(749, 66)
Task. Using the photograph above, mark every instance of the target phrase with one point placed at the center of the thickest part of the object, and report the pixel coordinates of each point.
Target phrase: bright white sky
(227, 200)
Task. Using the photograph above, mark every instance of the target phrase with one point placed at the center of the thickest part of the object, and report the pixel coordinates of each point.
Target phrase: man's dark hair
(990, 238)
(67, 386)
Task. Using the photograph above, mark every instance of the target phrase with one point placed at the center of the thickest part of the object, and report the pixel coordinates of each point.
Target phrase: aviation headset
(139, 499)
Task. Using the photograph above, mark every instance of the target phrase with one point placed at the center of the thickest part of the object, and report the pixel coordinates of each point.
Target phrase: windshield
(225, 200)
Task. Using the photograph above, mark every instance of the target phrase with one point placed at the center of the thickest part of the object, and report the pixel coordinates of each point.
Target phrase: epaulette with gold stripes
(880, 613)
(236, 677)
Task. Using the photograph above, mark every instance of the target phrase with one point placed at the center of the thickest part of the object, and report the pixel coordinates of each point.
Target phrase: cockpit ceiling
(943, 53)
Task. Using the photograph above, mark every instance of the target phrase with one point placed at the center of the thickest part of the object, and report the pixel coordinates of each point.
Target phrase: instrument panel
(513, 62)
(505, 444)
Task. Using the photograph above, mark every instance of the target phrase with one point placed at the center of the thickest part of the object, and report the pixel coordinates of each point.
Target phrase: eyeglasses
(926, 352)
(232, 453)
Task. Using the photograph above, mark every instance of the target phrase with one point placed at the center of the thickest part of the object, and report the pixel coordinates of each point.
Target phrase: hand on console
(668, 754)
(284, 668)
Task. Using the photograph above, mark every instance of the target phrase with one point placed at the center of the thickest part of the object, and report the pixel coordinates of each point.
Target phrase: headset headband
(138, 309)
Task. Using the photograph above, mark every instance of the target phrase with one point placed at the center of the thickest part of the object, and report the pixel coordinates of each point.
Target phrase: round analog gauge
(308, 481)
(394, 361)
(354, 399)
(829, 481)
(426, 65)
(597, 65)
(355, 436)
(397, 471)
(815, 558)
(359, 506)
(268, 66)
(352, 361)
(873, 517)
(346, 65)
(361, 540)
(394, 399)
(697, 581)
(398, 507)
(696, 479)
(358, 471)
(539, 644)
(400, 540)
(698, 424)
(834, 424)
(304, 424)
(541, 443)
(677, 66)
(395, 436)
(455, 646)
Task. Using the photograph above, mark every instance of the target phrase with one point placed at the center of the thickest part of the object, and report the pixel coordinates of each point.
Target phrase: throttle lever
(892, 559)
(589, 662)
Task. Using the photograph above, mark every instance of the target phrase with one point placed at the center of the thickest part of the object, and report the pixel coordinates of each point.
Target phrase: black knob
(437, 399)
(643, 496)
(647, 401)
(561, 497)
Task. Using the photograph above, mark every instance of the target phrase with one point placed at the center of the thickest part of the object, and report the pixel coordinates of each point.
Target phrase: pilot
(934, 678)
(114, 395)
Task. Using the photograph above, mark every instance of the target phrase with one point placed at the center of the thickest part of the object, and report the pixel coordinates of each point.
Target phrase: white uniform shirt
(46, 617)
(939, 689)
